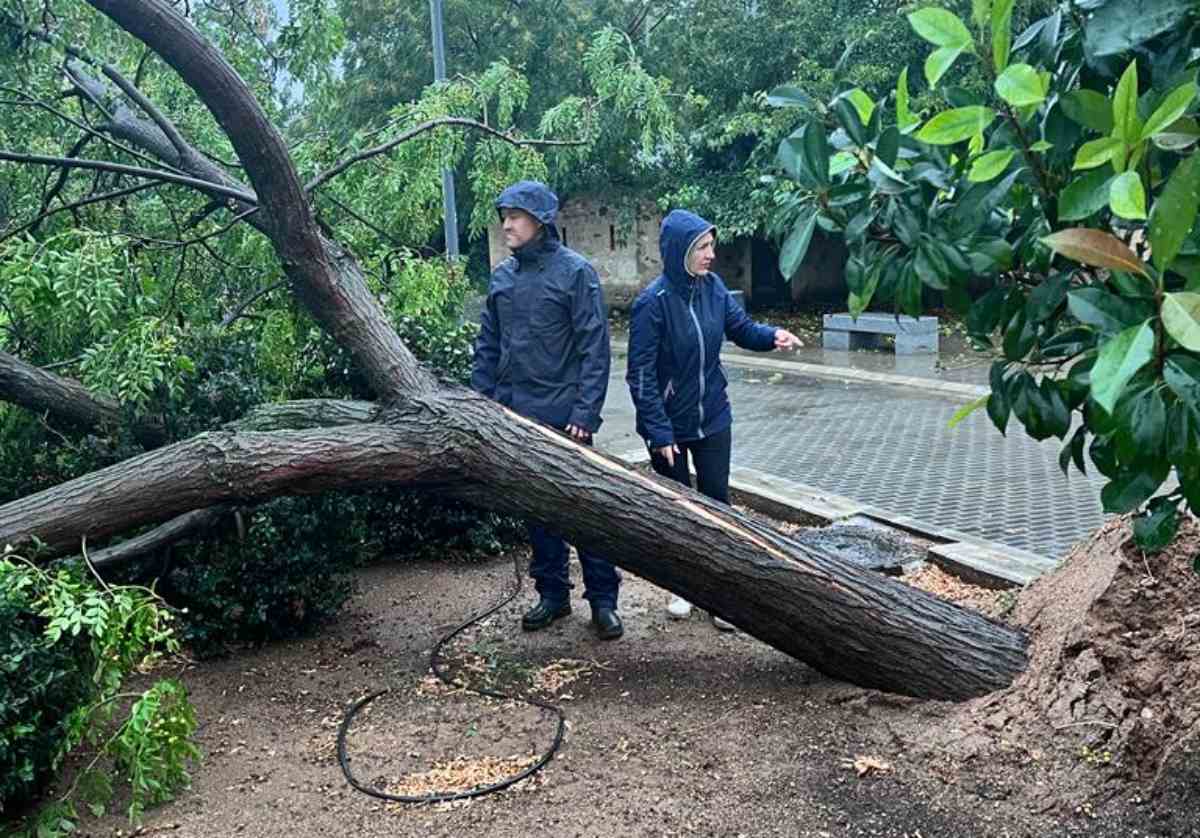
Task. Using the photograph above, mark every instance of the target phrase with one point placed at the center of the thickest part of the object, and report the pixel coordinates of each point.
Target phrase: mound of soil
(1114, 656)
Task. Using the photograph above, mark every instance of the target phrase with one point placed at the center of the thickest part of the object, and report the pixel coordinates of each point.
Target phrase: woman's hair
(687, 257)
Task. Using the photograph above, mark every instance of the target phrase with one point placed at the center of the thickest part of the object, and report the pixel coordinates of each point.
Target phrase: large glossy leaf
(816, 152)
(978, 202)
(1001, 33)
(939, 61)
(859, 224)
(863, 103)
(795, 246)
(1096, 248)
(1141, 426)
(1104, 311)
(1020, 85)
(1173, 106)
(1131, 487)
(1181, 319)
(1157, 528)
(847, 115)
(1073, 451)
(998, 406)
(940, 27)
(1120, 358)
(841, 162)
(908, 292)
(1019, 337)
(1088, 108)
(885, 179)
(905, 119)
(956, 125)
(990, 256)
(991, 165)
(1181, 134)
(1097, 152)
(788, 96)
(887, 147)
(1182, 374)
(1127, 197)
(1174, 212)
(1120, 25)
(790, 158)
(1085, 196)
(1183, 435)
(1126, 123)
(1048, 296)
(1069, 343)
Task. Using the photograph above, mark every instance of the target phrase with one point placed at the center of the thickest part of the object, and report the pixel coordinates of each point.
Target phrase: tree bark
(850, 624)
(67, 400)
(158, 538)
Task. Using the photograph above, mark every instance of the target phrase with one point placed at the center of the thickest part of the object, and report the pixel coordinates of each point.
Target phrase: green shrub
(286, 576)
(66, 650)
(40, 684)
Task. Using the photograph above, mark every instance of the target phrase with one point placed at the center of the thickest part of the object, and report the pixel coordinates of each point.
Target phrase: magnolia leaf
(1181, 318)
(1126, 123)
(1097, 152)
(956, 125)
(941, 28)
(1020, 85)
(939, 61)
(1174, 212)
(1127, 197)
(1173, 106)
(1097, 248)
(1120, 358)
(990, 165)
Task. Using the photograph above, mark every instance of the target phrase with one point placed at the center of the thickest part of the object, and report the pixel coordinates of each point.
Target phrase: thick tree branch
(66, 400)
(28, 101)
(205, 186)
(181, 146)
(161, 536)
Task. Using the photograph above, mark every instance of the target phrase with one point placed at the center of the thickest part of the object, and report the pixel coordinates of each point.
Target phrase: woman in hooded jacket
(674, 373)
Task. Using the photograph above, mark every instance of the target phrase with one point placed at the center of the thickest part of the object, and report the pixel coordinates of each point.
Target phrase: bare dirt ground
(674, 730)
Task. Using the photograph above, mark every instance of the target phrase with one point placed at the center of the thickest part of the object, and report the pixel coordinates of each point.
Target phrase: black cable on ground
(435, 665)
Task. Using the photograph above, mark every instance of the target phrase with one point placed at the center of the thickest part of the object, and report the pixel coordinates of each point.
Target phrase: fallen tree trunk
(851, 624)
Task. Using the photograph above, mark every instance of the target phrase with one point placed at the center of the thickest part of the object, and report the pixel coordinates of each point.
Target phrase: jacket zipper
(700, 340)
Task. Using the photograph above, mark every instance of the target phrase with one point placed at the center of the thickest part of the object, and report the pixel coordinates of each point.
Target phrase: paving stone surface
(890, 448)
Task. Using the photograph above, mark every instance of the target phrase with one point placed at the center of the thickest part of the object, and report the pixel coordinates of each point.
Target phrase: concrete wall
(623, 247)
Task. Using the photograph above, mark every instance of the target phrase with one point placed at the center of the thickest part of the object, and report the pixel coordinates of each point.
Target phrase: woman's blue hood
(679, 230)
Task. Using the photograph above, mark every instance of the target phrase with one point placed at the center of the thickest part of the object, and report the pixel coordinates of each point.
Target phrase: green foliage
(68, 648)
(286, 576)
(1035, 185)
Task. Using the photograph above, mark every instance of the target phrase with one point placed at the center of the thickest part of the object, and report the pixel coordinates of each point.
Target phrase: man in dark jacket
(543, 351)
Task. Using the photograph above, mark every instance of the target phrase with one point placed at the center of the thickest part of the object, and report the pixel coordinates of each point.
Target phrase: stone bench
(913, 334)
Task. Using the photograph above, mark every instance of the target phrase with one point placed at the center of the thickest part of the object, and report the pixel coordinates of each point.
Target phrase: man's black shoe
(607, 623)
(543, 614)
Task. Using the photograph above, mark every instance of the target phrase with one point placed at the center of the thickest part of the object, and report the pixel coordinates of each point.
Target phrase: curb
(975, 560)
(966, 392)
